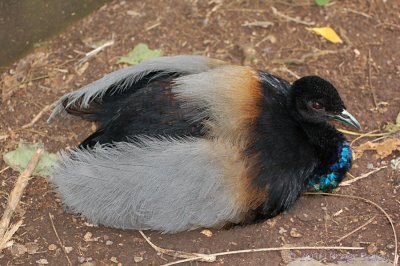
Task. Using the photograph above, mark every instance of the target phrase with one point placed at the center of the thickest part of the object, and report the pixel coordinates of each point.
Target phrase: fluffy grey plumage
(159, 184)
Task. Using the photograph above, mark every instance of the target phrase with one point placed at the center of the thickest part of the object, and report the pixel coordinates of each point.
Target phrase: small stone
(372, 248)
(68, 249)
(294, 233)
(390, 246)
(88, 237)
(207, 233)
(32, 247)
(109, 243)
(114, 259)
(137, 259)
(81, 259)
(42, 262)
(282, 230)
(52, 247)
(18, 250)
(106, 237)
(305, 217)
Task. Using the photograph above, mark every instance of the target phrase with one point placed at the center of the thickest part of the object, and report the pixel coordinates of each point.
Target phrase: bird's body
(187, 141)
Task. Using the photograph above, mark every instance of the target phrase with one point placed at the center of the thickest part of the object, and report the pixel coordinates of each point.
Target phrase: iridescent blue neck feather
(334, 175)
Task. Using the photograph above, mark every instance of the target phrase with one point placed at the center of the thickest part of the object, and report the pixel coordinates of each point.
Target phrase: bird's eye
(317, 105)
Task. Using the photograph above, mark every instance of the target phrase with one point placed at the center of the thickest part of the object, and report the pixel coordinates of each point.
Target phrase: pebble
(42, 262)
(109, 243)
(18, 250)
(294, 233)
(88, 236)
(52, 247)
(137, 259)
(390, 246)
(207, 233)
(114, 259)
(372, 248)
(32, 247)
(68, 249)
(282, 230)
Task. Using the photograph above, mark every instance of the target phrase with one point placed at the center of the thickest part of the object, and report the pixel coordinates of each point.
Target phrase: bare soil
(367, 63)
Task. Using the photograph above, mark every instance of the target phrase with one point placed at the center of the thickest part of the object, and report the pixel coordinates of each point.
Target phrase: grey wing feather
(124, 78)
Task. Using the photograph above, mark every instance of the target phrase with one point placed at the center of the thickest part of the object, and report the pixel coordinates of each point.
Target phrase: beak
(348, 119)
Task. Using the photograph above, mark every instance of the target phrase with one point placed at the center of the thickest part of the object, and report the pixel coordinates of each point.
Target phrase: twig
(39, 115)
(355, 230)
(287, 70)
(349, 10)
(179, 254)
(153, 26)
(280, 14)
(374, 98)
(348, 182)
(364, 134)
(302, 59)
(94, 52)
(262, 24)
(59, 240)
(396, 255)
(8, 167)
(14, 199)
(264, 250)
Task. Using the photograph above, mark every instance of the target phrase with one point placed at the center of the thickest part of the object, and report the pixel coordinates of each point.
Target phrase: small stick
(396, 254)
(8, 167)
(370, 80)
(39, 115)
(94, 52)
(59, 240)
(262, 24)
(355, 230)
(264, 250)
(15, 197)
(179, 254)
(280, 14)
(348, 182)
(364, 134)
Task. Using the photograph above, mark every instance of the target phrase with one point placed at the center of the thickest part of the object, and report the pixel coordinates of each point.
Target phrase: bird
(186, 141)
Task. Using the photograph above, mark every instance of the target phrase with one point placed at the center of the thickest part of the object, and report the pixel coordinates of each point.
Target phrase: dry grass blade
(39, 115)
(59, 239)
(14, 199)
(348, 182)
(264, 250)
(355, 230)
(396, 255)
(286, 17)
(370, 134)
(179, 254)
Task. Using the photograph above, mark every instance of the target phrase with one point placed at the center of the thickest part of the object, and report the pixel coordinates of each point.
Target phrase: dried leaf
(383, 149)
(18, 159)
(328, 33)
(140, 53)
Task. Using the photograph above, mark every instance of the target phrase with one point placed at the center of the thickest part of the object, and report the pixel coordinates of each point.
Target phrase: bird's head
(317, 100)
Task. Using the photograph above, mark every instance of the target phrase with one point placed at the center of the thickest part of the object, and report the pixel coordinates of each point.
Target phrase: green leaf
(321, 2)
(18, 159)
(140, 53)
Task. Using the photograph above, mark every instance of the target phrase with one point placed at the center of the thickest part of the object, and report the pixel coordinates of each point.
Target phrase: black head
(316, 100)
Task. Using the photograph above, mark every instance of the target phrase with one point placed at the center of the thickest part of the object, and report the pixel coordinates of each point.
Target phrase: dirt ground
(365, 68)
